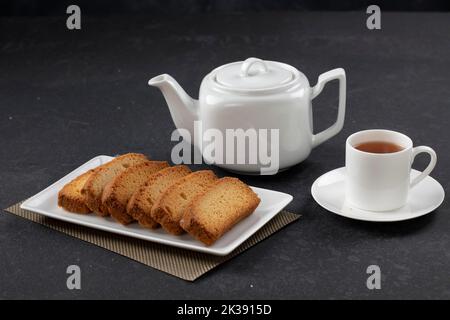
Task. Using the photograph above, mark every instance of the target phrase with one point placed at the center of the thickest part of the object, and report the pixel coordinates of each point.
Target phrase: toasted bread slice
(119, 191)
(70, 196)
(141, 203)
(94, 186)
(217, 210)
(169, 208)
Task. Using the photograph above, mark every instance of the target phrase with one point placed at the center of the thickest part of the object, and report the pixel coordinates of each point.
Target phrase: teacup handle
(428, 169)
(334, 74)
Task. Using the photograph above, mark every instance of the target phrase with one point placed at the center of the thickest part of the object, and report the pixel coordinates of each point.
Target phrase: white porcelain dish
(45, 203)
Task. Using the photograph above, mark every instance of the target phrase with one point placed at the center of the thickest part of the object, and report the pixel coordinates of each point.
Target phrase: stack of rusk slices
(133, 188)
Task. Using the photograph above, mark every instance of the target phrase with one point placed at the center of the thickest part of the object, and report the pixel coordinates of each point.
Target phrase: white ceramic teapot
(253, 95)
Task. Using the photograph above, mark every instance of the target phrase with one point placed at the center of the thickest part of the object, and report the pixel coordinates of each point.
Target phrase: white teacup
(381, 181)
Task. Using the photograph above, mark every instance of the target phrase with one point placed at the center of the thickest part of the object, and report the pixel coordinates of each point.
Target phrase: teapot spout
(183, 108)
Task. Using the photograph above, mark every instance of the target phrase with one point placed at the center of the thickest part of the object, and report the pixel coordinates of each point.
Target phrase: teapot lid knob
(255, 74)
(249, 63)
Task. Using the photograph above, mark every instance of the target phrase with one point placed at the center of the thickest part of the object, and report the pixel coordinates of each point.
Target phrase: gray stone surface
(68, 96)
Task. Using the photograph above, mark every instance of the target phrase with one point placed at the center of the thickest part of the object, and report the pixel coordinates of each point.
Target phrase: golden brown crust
(118, 193)
(141, 203)
(72, 205)
(95, 204)
(161, 216)
(116, 210)
(194, 227)
(148, 222)
(214, 212)
(94, 186)
(135, 209)
(70, 196)
(135, 204)
(168, 210)
(132, 207)
(92, 202)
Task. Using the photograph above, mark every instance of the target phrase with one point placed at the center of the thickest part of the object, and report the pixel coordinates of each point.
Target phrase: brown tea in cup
(378, 147)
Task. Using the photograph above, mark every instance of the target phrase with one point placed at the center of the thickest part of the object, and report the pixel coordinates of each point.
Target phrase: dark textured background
(188, 7)
(67, 96)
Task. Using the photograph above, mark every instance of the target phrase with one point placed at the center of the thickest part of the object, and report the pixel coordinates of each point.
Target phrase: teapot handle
(334, 74)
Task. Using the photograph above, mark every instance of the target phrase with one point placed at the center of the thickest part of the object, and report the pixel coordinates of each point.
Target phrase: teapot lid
(255, 74)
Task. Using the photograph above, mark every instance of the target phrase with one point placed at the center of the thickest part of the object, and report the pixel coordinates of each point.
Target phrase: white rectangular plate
(45, 203)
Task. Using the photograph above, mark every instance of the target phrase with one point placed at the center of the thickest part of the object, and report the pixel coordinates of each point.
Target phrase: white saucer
(329, 192)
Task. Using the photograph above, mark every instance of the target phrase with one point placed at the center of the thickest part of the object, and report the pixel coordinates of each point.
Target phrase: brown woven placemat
(185, 264)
